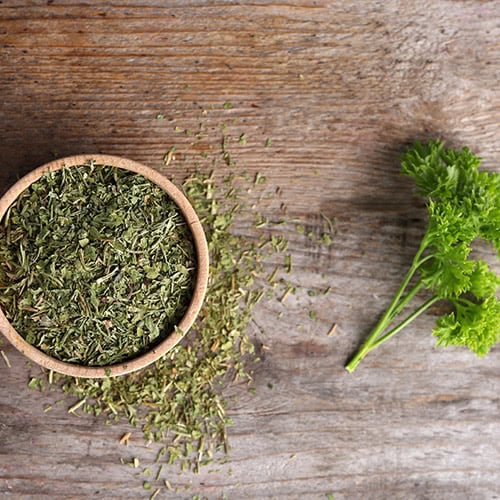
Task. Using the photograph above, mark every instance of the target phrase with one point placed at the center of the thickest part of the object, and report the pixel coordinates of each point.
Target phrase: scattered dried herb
(97, 264)
(177, 400)
(125, 439)
(259, 179)
(289, 289)
(6, 359)
(169, 156)
(36, 383)
(332, 330)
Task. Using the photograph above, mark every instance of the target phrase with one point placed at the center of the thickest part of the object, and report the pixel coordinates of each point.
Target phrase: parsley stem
(374, 341)
(405, 322)
(424, 260)
(394, 308)
(407, 299)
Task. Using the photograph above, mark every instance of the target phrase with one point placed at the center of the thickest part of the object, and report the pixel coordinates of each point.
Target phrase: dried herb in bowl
(97, 264)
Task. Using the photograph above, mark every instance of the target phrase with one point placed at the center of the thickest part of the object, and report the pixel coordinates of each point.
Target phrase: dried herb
(177, 400)
(6, 359)
(125, 439)
(332, 330)
(97, 264)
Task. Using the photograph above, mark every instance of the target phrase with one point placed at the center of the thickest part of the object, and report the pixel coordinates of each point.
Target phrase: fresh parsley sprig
(463, 205)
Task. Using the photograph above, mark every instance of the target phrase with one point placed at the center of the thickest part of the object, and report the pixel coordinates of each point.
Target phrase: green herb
(146, 485)
(158, 472)
(5, 358)
(332, 330)
(177, 399)
(227, 105)
(278, 243)
(226, 155)
(258, 179)
(242, 139)
(77, 405)
(169, 156)
(330, 223)
(326, 233)
(289, 289)
(36, 383)
(268, 143)
(463, 205)
(97, 264)
(326, 239)
(272, 277)
(125, 439)
(261, 221)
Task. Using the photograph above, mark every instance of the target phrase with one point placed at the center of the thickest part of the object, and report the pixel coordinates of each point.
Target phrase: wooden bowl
(194, 306)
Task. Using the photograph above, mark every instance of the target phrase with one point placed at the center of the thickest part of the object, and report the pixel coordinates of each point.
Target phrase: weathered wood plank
(341, 88)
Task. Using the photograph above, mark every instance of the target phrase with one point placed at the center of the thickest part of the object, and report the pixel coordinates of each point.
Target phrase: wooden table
(340, 88)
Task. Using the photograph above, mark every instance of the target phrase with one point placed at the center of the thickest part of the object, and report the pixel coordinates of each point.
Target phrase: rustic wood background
(340, 88)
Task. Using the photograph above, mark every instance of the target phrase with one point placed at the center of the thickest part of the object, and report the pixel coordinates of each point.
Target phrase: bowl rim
(201, 280)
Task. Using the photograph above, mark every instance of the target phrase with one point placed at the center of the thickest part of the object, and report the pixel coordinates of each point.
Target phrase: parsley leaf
(473, 325)
(463, 205)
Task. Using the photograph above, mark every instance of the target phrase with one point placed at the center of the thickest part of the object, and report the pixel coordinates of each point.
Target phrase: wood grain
(341, 88)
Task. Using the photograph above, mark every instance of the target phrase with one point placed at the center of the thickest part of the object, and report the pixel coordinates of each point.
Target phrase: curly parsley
(463, 206)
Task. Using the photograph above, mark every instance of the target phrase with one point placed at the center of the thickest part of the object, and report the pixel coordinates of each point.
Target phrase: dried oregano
(97, 264)
(178, 399)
